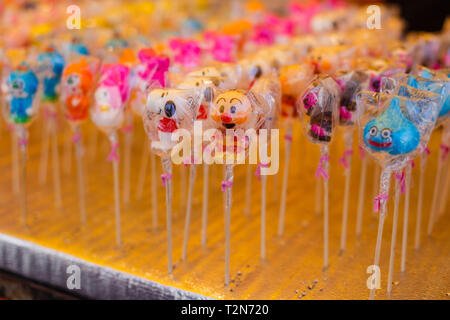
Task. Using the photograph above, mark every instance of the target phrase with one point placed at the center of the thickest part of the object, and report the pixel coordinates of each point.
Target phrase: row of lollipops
(395, 118)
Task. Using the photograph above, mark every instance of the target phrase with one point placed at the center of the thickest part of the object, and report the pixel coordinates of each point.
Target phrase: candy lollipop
(391, 132)
(166, 111)
(350, 84)
(76, 97)
(109, 114)
(20, 106)
(444, 114)
(319, 109)
(294, 79)
(233, 112)
(50, 68)
(266, 94)
(150, 73)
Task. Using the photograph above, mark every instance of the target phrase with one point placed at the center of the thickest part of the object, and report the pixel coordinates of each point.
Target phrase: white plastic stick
(22, 140)
(228, 178)
(443, 195)
(361, 196)
(318, 198)
(55, 160)
(127, 159)
(205, 202)
(348, 143)
(187, 221)
(324, 152)
(284, 187)
(68, 152)
(384, 190)
(80, 173)
(167, 169)
(142, 171)
(423, 163)
(45, 147)
(393, 237)
(263, 216)
(15, 163)
(154, 191)
(406, 216)
(113, 140)
(248, 190)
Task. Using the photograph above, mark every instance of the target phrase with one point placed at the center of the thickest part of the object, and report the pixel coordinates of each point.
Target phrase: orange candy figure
(77, 83)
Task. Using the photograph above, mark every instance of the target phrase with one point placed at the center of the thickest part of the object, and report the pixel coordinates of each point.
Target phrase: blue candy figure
(445, 92)
(77, 47)
(391, 132)
(51, 65)
(22, 87)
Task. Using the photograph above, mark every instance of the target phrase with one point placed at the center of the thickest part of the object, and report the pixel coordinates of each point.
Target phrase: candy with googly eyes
(166, 111)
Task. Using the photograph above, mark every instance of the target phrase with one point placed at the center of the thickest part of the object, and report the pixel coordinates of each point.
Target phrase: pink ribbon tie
(362, 154)
(343, 159)
(377, 202)
(22, 142)
(113, 156)
(165, 177)
(288, 137)
(258, 169)
(226, 184)
(76, 137)
(445, 149)
(321, 172)
(401, 179)
(127, 129)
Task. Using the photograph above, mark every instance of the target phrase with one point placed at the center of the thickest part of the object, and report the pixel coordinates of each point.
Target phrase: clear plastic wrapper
(294, 79)
(392, 127)
(150, 73)
(318, 107)
(166, 111)
(77, 85)
(21, 93)
(350, 83)
(110, 97)
(50, 68)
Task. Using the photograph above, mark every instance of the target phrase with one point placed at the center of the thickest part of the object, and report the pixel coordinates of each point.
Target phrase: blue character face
(391, 132)
(51, 65)
(23, 85)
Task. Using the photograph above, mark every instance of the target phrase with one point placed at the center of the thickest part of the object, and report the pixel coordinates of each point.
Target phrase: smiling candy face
(391, 132)
(231, 109)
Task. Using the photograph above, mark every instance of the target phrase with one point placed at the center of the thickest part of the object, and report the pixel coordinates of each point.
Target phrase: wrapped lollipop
(20, 106)
(166, 111)
(236, 111)
(50, 68)
(405, 85)
(350, 83)
(441, 77)
(78, 81)
(319, 109)
(391, 131)
(294, 79)
(108, 114)
(150, 73)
